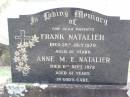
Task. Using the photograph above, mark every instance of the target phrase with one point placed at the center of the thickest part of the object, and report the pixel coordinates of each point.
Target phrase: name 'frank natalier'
(78, 36)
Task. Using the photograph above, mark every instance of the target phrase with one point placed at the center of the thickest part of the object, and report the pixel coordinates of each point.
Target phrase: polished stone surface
(105, 42)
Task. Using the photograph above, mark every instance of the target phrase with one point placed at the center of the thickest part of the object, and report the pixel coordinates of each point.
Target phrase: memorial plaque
(69, 46)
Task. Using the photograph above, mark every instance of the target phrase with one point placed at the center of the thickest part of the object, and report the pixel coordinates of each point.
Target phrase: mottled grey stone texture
(70, 91)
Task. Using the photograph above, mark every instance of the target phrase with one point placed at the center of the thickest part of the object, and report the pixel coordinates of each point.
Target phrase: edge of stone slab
(84, 86)
(20, 89)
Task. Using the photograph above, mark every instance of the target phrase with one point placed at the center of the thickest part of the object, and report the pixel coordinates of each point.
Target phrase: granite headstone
(69, 46)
